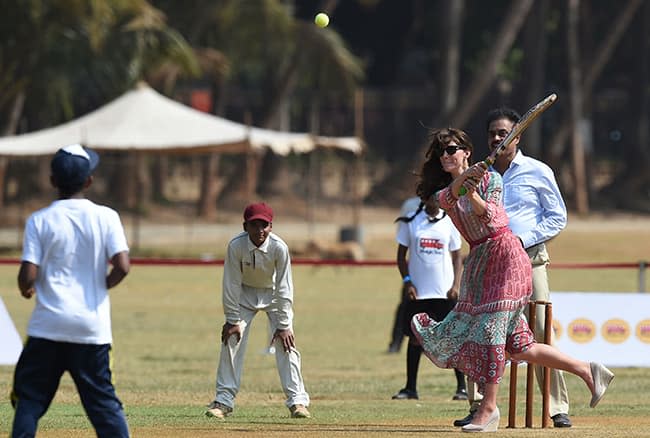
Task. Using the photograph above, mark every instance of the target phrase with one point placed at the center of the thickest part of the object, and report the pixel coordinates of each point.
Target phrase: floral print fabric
(488, 319)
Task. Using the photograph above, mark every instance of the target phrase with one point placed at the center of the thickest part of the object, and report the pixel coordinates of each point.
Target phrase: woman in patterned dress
(488, 322)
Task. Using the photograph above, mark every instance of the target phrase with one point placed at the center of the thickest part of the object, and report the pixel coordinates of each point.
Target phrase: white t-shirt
(72, 242)
(429, 259)
(409, 206)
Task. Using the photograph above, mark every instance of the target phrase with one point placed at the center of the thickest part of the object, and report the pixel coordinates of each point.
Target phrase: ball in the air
(321, 19)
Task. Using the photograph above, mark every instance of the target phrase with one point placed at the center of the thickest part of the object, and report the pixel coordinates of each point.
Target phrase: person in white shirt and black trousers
(431, 277)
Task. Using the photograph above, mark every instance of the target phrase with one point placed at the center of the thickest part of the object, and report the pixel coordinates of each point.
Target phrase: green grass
(166, 324)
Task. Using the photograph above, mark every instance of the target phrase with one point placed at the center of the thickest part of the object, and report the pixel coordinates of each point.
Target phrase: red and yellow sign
(615, 331)
(581, 330)
(643, 331)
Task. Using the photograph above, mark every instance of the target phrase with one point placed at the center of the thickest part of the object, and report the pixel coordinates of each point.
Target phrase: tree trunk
(10, 129)
(451, 27)
(210, 186)
(285, 85)
(577, 141)
(629, 189)
(483, 79)
(274, 175)
(159, 177)
(602, 56)
(642, 160)
(535, 43)
(142, 185)
(124, 180)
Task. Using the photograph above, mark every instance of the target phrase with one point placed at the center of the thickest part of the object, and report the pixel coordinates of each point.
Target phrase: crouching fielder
(257, 277)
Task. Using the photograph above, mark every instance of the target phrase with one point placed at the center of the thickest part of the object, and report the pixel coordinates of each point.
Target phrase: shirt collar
(519, 157)
(437, 217)
(518, 160)
(264, 247)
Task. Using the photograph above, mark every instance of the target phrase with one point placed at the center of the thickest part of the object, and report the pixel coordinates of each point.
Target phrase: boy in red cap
(257, 277)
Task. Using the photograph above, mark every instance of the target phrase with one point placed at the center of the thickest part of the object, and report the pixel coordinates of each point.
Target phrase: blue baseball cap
(73, 164)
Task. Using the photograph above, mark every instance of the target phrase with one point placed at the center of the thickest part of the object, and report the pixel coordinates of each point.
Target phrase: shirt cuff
(234, 320)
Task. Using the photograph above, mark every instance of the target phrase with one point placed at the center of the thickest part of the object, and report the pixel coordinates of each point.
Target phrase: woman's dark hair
(408, 219)
(432, 176)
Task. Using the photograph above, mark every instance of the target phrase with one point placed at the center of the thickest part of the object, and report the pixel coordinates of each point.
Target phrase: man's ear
(245, 227)
(53, 181)
(89, 182)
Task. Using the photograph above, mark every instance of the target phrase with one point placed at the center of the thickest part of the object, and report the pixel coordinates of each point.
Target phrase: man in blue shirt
(537, 214)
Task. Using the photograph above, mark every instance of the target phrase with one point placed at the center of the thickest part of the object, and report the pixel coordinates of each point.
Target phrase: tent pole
(138, 202)
(314, 169)
(356, 178)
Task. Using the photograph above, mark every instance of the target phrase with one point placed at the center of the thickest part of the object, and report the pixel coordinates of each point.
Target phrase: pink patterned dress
(488, 319)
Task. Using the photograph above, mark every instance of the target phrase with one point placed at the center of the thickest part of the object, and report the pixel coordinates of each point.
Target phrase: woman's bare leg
(488, 404)
(545, 355)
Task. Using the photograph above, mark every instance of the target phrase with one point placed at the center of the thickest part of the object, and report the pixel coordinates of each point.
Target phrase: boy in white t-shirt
(397, 333)
(67, 248)
(431, 278)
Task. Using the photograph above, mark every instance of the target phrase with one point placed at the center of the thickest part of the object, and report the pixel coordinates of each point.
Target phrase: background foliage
(416, 62)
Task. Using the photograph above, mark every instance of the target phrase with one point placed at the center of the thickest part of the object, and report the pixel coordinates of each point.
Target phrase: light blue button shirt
(533, 201)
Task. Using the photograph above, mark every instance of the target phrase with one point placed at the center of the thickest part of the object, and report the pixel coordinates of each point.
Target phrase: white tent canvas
(144, 120)
(10, 344)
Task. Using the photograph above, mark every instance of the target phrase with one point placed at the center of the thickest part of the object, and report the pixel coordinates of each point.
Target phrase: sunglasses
(451, 150)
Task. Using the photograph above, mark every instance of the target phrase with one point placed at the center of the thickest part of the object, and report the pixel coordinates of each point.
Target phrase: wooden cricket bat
(534, 112)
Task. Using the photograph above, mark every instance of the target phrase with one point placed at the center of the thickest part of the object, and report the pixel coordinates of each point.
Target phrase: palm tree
(68, 57)
(269, 50)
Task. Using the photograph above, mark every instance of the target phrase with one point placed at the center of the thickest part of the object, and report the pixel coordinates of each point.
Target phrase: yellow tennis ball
(321, 19)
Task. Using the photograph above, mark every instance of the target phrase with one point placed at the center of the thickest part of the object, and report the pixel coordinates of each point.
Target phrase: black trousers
(37, 377)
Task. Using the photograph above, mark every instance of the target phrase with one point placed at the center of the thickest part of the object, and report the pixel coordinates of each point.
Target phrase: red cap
(258, 211)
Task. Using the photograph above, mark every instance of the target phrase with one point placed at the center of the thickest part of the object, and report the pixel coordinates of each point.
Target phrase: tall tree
(271, 51)
(450, 47)
(485, 76)
(593, 70)
(534, 70)
(581, 192)
(69, 57)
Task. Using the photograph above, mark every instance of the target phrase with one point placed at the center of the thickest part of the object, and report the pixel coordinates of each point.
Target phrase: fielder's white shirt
(429, 259)
(532, 200)
(72, 242)
(267, 267)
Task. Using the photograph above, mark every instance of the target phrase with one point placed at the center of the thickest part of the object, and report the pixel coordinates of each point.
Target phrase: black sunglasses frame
(451, 150)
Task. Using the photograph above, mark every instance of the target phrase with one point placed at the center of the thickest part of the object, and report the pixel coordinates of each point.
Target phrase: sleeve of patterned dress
(491, 190)
(446, 200)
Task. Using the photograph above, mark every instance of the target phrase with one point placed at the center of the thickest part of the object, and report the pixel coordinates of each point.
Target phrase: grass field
(166, 324)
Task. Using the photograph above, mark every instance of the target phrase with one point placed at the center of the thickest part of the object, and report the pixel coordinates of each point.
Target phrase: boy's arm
(26, 279)
(121, 265)
(232, 286)
(284, 287)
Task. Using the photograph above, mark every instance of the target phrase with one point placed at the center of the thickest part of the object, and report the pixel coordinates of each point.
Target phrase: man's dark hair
(502, 113)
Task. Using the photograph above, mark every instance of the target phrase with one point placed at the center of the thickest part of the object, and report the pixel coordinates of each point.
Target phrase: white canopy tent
(146, 121)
